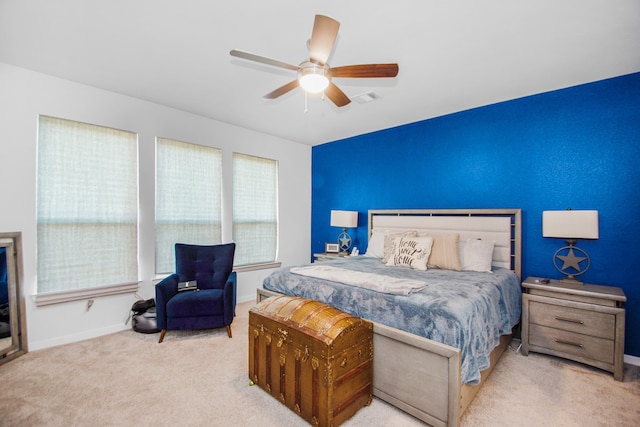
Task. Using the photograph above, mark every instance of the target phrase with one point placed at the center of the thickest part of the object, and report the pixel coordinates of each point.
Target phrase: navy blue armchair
(213, 305)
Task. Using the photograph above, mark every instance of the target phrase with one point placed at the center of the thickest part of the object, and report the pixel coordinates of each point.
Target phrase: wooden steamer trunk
(312, 357)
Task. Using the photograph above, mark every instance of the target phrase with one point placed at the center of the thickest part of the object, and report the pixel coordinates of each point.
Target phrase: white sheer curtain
(87, 206)
(255, 209)
(188, 198)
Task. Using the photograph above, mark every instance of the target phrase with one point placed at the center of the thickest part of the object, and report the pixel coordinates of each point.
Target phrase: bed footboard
(417, 375)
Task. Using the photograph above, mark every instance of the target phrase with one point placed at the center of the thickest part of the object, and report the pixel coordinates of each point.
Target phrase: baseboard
(246, 298)
(68, 339)
(632, 360)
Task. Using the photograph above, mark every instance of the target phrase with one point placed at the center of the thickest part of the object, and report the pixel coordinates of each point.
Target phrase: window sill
(237, 269)
(253, 267)
(85, 293)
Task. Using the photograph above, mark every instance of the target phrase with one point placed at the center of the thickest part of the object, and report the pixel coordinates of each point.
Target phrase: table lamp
(570, 225)
(344, 219)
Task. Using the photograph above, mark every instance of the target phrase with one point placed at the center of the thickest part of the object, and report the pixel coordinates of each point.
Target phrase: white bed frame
(418, 375)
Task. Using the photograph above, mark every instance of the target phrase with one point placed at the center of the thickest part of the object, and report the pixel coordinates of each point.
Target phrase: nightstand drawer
(571, 319)
(562, 342)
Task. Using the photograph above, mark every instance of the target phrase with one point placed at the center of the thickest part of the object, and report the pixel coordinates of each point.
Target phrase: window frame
(195, 210)
(266, 263)
(121, 207)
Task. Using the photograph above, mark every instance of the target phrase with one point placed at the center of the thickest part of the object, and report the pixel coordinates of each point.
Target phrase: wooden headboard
(503, 226)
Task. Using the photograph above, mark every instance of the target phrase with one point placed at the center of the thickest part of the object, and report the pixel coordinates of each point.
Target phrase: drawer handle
(575, 344)
(564, 319)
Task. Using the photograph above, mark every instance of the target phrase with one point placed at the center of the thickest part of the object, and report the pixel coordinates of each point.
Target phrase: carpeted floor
(200, 379)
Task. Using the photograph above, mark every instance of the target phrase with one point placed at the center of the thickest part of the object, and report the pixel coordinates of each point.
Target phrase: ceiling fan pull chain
(306, 107)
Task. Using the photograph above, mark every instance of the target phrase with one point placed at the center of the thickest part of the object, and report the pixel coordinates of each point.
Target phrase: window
(255, 209)
(188, 198)
(87, 207)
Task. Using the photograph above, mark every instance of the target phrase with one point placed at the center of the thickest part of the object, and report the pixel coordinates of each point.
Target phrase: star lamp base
(574, 262)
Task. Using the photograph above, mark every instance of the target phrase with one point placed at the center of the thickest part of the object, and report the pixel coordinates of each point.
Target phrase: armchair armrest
(165, 290)
(230, 291)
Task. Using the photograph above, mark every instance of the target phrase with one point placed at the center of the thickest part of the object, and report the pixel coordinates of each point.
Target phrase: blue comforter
(466, 310)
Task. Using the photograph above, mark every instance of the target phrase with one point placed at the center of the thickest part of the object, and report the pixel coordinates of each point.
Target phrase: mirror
(13, 331)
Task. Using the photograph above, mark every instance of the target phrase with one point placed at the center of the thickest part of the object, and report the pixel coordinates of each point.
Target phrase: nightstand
(322, 256)
(581, 322)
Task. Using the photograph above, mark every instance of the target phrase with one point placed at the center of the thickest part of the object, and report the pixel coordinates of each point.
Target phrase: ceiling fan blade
(364, 71)
(262, 59)
(336, 95)
(323, 37)
(282, 90)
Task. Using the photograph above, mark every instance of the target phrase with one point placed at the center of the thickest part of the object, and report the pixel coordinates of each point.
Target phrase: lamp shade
(344, 219)
(570, 224)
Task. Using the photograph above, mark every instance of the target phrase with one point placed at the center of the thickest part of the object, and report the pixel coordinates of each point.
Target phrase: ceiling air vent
(363, 98)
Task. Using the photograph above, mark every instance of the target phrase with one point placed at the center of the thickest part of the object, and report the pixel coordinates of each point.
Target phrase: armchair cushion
(196, 303)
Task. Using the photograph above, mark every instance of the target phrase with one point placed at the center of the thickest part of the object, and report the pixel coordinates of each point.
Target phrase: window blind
(188, 198)
(87, 206)
(255, 209)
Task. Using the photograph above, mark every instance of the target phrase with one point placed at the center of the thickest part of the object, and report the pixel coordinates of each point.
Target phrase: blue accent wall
(573, 148)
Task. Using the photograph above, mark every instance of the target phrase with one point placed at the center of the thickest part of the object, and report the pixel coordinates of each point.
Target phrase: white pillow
(476, 255)
(375, 248)
(411, 252)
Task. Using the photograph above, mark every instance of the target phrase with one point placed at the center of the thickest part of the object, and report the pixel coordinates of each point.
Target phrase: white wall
(25, 94)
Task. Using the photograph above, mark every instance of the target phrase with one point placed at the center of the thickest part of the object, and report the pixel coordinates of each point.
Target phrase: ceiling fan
(314, 74)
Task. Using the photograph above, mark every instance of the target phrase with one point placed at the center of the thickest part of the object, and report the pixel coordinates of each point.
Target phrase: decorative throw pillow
(445, 253)
(389, 241)
(411, 252)
(476, 255)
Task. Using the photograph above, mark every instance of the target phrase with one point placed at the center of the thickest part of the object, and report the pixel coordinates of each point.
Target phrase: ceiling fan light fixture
(312, 77)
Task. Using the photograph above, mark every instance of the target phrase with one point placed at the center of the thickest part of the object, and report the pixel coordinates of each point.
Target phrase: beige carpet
(200, 379)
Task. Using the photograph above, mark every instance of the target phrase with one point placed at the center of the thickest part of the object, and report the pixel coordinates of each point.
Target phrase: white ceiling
(453, 55)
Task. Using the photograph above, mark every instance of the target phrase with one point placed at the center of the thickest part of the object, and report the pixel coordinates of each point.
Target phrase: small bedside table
(584, 323)
(326, 257)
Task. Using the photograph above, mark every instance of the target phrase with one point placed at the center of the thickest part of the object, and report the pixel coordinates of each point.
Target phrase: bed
(429, 366)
